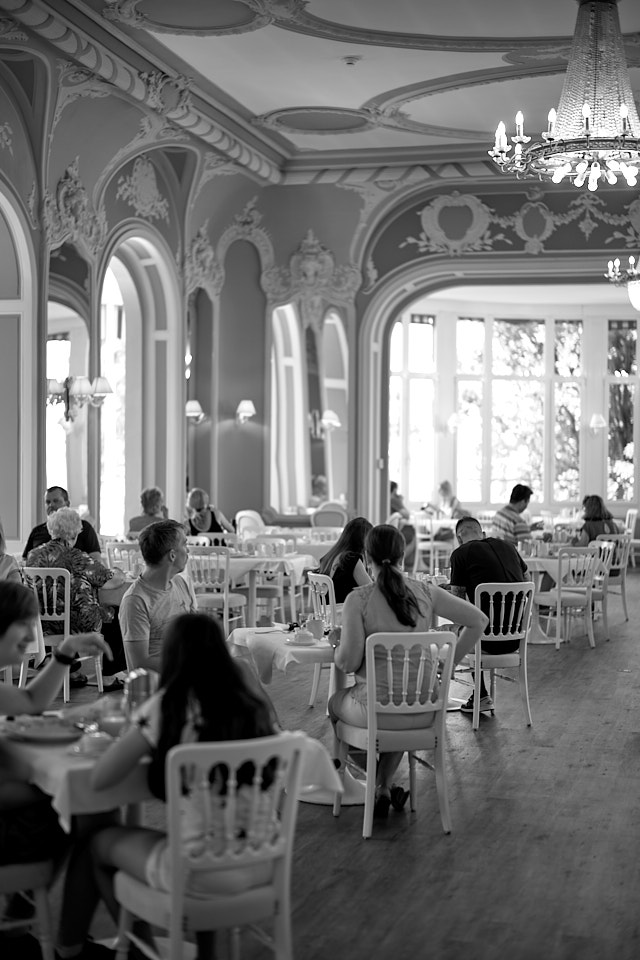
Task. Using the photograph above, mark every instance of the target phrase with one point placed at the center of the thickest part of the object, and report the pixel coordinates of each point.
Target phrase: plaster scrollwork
(313, 280)
(140, 191)
(68, 214)
(439, 235)
(9, 31)
(124, 11)
(6, 137)
(32, 205)
(271, 11)
(201, 266)
(247, 227)
(214, 165)
(166, 94)
(74, 83)
(534, 224)
(153, 129)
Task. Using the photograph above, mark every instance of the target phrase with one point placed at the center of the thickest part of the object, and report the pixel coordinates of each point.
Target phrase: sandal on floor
(381, 807)
(78, 680)
(398, 797)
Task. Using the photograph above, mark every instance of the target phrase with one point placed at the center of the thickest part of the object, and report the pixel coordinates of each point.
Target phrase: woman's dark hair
(199, 673)
(385, 546)
(17, 603)
(351, 540)
(594, 508)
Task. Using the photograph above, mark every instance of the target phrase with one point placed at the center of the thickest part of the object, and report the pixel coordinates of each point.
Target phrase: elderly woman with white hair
(87, 576)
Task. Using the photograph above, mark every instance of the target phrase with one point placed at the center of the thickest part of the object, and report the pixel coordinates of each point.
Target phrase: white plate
(294, 642)
(40, 730)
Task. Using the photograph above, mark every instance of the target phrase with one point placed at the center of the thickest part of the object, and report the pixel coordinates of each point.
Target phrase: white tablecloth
(65, 777)
(268, 649)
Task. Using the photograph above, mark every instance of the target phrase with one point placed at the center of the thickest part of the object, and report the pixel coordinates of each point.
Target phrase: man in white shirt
(158, 594)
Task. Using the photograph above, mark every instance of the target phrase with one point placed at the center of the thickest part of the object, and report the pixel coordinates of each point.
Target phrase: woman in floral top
(87, 576)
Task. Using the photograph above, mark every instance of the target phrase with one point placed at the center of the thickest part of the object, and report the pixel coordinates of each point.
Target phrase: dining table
(269, 647)
(65, 776)
(247, 564)
(538, 566)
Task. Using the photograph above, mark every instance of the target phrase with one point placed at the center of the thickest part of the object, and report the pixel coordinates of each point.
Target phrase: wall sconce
(76, 392)
(194, 412)
(246, 410)
(321, 425)
(597, 423)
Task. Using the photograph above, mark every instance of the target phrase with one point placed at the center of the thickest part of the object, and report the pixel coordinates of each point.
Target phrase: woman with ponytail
(392, 604)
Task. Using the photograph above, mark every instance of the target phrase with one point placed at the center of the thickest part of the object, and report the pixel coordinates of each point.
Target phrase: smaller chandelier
(77, 392)
(629, 278)
(594, 136)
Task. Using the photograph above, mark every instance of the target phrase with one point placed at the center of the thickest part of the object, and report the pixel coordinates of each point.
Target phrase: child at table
(204, 694)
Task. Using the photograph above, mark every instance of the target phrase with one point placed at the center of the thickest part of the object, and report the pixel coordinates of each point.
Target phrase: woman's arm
(120, 759)
(35, 697)
(222, 520)
(360, 574)
(470, 617)
(350, 651)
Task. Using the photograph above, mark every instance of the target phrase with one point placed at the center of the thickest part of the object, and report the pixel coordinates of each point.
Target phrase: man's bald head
(469, 529)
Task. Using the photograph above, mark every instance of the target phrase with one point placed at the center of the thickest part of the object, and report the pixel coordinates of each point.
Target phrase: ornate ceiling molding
(140, 190)
(74, 83)
(68, 215)
(246, 227)
(313, 281)
(9, 31)
(249, 15)
(84, 50)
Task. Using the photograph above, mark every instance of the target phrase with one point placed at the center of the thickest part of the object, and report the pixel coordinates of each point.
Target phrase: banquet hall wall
(84, 170)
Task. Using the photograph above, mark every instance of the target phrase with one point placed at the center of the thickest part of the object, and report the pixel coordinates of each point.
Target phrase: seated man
(158, 594)
(479, 560)
(55, 498)
(507, 523)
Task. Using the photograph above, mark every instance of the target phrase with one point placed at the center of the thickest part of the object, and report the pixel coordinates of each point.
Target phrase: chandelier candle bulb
(519, 123)
(586, 113)
(551, 118)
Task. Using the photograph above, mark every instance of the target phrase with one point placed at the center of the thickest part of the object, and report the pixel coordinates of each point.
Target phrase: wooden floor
(544, 859)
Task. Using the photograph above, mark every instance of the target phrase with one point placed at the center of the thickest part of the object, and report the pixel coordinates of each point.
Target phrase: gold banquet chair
(247, 841)
(323, 602)
(33, 881)
(619, 564)
(208, 571)
(573, 592)
(421, 671)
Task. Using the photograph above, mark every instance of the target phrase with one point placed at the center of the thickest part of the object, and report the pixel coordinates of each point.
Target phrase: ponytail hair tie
(386, 560)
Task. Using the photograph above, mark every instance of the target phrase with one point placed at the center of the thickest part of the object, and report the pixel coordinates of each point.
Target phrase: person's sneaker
(486, 703)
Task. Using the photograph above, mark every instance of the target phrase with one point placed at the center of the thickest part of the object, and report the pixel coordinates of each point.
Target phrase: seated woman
(597, 520)
(9, 569)
(203, 516)
(344, 563)
(448, 505)
(153, 508)
(391, 604)
(204, 694)
(87, 576)
(29, 828)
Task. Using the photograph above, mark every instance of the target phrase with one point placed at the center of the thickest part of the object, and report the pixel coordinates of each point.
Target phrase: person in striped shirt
(508, 523)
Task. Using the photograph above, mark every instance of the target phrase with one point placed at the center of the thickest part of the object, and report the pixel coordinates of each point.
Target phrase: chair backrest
(630, 522)
(201, 541)
(508, 606)
(323, 598)
(622, 545)
(408, 674)
(124, 555)
(208, 569)
(52, 587)
(329, 517)
(578, 566)
(606, 552)
(252, 823)
(249, 522)
(325, 534)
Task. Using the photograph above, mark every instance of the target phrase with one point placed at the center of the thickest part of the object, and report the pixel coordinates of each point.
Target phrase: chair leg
(441, 785)
(342, 753)
(492, 685)
(412, 780)
(45, 927)
(125, 923)
(283, 941)
(370, 790)
(315, 684)
(588, 619)
(524, 690)
(605, 615)
(623, 592)
(66, 687)
(476, 693)
(98, 668)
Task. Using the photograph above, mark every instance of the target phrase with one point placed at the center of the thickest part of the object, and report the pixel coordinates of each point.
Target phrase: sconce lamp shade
(597, 423)
(246, 410)
(193, 411)
(55, 388)
(330, 420)
(633, 291)
(80, 387)
(100, 387)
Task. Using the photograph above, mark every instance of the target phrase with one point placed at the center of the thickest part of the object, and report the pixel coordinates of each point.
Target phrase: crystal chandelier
(629, 278)
(594, 135)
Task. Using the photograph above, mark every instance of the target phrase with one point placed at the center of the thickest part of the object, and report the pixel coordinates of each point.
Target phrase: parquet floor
(543, 860)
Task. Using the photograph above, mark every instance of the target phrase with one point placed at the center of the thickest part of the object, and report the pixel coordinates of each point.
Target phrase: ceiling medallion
(594, 135)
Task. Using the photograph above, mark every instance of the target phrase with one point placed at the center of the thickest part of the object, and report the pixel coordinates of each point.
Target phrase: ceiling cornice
(79, 46)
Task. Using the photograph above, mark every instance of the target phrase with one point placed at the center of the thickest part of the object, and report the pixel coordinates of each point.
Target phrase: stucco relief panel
(68, 214)
(140, 191)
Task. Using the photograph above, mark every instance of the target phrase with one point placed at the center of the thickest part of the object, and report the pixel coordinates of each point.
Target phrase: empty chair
(437, 551)
(618, 569)
(508, 606)
(323, 601)
(415, 668)
(630, 529)
(249, 523)
(577, 567)
(600, 592)
(244, 859)
(52, 587)
(208, 569)
(125, 556)
(33, 880)
(329, 516)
